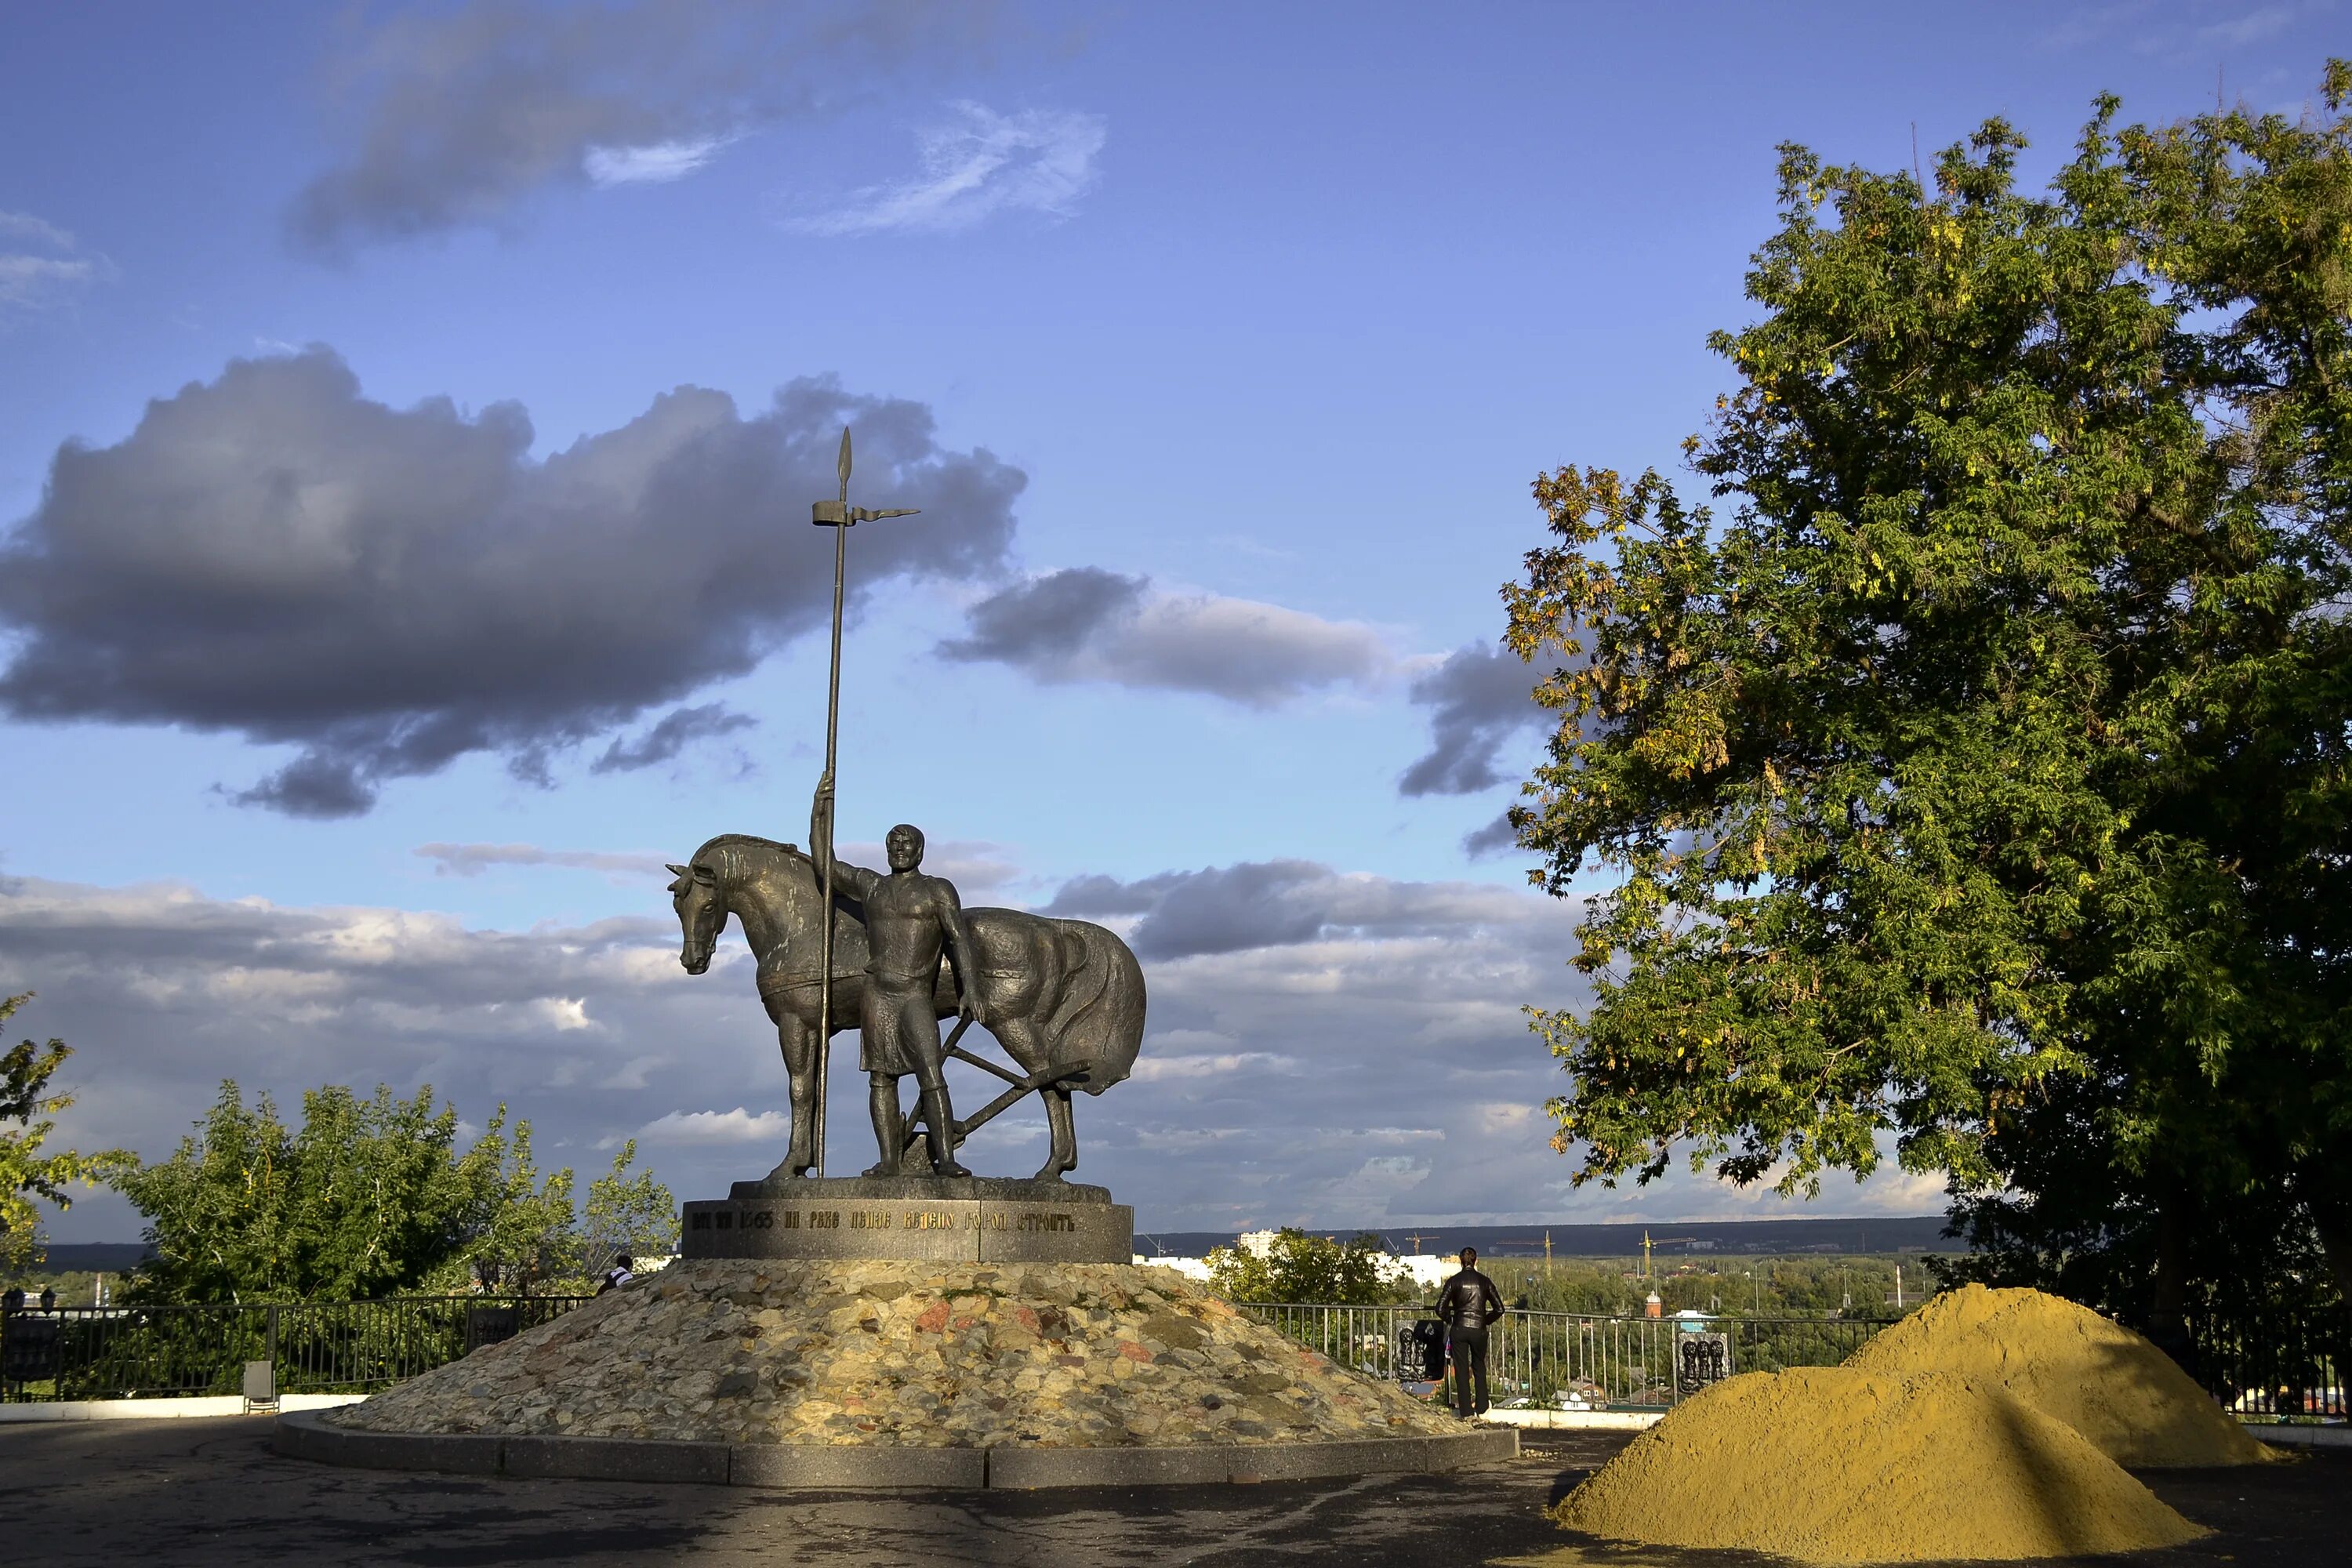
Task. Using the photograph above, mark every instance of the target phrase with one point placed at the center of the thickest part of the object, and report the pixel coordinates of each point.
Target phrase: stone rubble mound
(918, 1355)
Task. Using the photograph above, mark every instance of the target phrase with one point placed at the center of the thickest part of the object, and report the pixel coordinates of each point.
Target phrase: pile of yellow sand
(1840, 1464)
(2098, 1377)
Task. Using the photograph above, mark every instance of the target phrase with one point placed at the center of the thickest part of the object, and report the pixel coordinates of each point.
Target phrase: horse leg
(1018, 1035)
(1063, 1157)
(797, 1040)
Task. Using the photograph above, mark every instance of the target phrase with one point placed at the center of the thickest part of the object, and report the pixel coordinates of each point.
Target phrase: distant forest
(1670, 1239)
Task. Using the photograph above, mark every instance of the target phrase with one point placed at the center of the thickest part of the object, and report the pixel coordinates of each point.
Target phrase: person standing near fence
(1470, 1305)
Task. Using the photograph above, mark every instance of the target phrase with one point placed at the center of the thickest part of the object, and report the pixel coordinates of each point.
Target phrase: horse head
(701, 914)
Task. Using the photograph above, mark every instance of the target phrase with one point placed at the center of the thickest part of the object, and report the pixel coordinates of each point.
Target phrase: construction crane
(1415, 1237)
(1661, 1241)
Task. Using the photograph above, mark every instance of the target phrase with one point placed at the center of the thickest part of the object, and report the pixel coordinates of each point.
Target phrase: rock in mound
(1832, 1465)
(2097, 1377)
(917, 1354)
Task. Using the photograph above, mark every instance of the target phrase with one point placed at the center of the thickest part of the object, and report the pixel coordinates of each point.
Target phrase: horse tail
(1098, 1018)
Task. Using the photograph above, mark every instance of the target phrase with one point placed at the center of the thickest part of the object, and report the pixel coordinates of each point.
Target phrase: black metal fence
(2284, 1362)
(2275, 1359)
(316, 1347)
(1564, 1360)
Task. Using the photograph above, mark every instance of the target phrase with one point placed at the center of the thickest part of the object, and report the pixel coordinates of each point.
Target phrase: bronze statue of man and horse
(1064, 999)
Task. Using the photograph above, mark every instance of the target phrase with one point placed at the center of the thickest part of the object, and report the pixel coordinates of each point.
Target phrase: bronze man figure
(910, 920)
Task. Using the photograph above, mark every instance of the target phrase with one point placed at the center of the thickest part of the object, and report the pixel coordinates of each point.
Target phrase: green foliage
(1302, 1268)
(631, 1213)
(367, 1198)
(1980, 784)
(26, 1174)
(1736, 1286)
(515, 1231)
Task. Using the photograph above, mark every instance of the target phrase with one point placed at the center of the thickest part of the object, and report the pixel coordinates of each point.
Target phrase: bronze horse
(1064, 999)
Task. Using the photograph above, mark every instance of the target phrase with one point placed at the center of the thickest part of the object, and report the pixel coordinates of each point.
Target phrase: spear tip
(843, 466)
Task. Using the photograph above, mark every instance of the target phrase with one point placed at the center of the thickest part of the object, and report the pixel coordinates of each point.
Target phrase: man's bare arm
(856, 878)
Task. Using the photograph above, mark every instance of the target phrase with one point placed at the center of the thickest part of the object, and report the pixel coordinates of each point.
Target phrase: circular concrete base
(302, 1435)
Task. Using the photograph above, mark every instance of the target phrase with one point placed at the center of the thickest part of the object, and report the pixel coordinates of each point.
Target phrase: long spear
(840, 517)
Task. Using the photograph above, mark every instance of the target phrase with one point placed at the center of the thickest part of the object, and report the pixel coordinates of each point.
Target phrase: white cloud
(2264, 22)
(655, 163)
(704, 1127)
(565, 1013)
(50, 269)
(977, 165)
(473, 859)
(1377, 1073)
(1154, 1070)
(39, 231)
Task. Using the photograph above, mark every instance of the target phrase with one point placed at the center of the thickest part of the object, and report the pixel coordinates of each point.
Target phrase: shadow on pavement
(201, 1492)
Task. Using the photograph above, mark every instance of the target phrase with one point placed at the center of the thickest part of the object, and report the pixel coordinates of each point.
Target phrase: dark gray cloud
(1047, 618)
(1273, 903)
(274, 555)
(1085, 624)
(1374, 1076)
(673, 734)
(1479, 699)
(1491, 839)
(454, 116)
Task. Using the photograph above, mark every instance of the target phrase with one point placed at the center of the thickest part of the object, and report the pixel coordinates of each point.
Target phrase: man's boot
(941, 1119)
(889, 1126)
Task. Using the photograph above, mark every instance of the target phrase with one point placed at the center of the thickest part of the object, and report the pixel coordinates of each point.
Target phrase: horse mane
(752, 840)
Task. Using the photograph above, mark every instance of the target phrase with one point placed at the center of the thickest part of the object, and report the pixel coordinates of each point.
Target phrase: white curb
(1575, 1420)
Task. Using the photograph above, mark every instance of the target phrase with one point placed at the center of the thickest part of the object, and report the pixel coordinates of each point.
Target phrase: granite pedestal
(969, 1219)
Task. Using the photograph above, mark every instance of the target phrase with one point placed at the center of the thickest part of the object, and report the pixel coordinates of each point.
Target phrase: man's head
(1469, 1257)
(624, 1261)
(905, 846)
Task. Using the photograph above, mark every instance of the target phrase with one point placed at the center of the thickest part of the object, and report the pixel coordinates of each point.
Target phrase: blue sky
(1219, 346)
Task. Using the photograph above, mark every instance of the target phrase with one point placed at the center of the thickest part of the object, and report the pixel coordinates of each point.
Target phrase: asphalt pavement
(202, 1492)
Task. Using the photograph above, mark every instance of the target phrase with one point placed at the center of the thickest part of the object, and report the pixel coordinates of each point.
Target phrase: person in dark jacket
(1470, 1305)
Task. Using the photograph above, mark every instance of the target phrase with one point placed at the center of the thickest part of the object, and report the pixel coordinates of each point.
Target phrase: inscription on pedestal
(950, 1229)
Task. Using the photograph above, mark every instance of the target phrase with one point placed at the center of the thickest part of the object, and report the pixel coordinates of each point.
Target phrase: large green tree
(30, 1173)
(1296, 1266)
(628, 1212)
(366, 1198)
(1974, 785)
